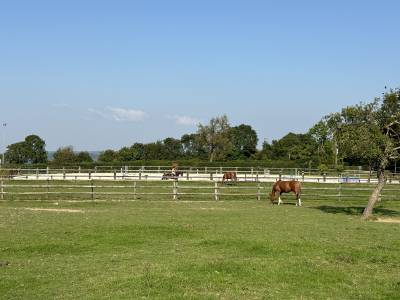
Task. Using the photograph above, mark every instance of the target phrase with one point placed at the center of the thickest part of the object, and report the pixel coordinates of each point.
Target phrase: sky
(105, 74)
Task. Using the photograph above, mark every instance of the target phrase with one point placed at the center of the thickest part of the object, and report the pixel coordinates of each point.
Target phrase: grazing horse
(170, 175)
(280, 187)
(229, 175)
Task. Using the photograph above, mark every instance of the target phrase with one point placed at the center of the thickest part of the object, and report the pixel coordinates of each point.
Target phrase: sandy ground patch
(388, 220)
(54, 209)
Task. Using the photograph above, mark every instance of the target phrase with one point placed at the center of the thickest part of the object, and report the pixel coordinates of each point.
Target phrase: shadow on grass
(356, 210)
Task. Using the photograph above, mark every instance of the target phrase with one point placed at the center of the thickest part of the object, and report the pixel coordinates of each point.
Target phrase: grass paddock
(242, 249)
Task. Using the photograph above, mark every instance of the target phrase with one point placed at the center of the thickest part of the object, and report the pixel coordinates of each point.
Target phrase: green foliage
(320, 133)
(192, 147)
(370, 132)
(293, 146)
(83, 157)
(64, 156)
(67, 156)
(215, 137)
(31, 150)
(244, 141)
(323, 169)
(107, 156)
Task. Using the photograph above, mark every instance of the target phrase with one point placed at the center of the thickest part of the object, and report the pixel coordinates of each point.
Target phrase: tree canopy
(31, 150)
(369, 132)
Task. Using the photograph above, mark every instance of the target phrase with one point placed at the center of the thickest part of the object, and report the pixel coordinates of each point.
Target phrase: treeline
(215, 141)
(218, 141)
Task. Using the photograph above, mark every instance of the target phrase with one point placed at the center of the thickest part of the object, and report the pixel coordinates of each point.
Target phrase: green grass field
(237, 248)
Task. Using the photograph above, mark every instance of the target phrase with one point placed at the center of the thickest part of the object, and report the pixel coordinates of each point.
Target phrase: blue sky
(104, 74)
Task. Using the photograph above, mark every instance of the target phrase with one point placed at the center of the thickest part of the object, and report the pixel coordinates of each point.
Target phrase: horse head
(272, 196)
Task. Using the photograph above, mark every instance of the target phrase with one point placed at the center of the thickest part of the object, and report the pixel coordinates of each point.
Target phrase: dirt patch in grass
(388, 220)
(55, 209)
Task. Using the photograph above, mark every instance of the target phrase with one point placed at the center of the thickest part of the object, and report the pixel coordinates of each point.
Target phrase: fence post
(280, 175)
(115, 175)
(340, 191)
(216, 196)
(90, 175)
(175, 189)
(134, 190)
(37, 173)
(259, 191)
(257, 177)
(64, 173)
(47, 189)
(187, 175)
(140, 175)
(2, 190)
(79, 169)
(211, 176)
(92, 189)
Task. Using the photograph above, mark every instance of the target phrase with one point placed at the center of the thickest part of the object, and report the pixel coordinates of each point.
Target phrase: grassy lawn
(231, 249)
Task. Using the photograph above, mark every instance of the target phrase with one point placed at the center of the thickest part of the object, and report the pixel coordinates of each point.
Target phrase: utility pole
(4, 125)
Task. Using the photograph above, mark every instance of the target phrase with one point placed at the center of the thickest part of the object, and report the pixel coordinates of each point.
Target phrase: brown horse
(280, 187)
(229, 176)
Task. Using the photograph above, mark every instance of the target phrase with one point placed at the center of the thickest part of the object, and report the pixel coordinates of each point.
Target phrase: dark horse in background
(229, 176)
(280, 187)
(170, 175)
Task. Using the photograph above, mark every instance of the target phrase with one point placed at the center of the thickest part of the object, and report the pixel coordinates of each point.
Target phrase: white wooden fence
(132, 190)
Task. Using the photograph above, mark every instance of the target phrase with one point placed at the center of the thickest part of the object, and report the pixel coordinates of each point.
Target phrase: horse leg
(298, 200)
(279, 199)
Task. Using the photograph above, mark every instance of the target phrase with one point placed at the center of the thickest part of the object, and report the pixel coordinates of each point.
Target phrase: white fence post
(47, 189)
(92, 189)
(216, 196)
(175, 189)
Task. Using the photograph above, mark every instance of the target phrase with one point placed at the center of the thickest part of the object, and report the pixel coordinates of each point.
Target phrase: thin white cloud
(184, 120)
(120, 114)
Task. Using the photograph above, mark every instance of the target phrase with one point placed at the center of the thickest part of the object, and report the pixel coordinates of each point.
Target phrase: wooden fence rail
(9, 190)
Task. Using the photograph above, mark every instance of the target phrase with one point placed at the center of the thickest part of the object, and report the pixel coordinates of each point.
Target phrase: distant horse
(170, 175)
(229, 176)
(280, 187)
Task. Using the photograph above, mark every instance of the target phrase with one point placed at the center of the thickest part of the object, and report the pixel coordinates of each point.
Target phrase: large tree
(370, 132)
(172, 148)
(107, 156)
(17, 153)
(192, 147)
(244, 141)
(83, 157)
(64, 155)
(326, 150)
(31, 150)
(36, 149)
(215, 138)
(294, 147)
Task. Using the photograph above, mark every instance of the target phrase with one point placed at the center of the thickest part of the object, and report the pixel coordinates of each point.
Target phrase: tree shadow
(356, 210)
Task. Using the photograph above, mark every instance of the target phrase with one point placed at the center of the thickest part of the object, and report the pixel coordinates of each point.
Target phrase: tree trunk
(375, 195)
